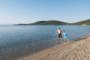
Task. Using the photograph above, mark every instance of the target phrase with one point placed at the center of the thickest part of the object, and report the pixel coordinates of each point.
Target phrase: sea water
(20, 40)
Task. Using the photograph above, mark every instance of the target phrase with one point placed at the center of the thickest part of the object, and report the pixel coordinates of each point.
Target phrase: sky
(30, 11)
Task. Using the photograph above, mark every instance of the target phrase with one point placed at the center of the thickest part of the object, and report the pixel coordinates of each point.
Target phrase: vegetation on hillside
(87, 22)
(54, 22)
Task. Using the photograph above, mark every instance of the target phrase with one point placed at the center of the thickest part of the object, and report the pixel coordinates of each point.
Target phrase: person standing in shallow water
(65, 36)
(59, 32)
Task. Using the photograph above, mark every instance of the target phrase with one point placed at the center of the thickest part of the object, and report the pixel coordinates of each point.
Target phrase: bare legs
(68, 40)
(59, 40)
(65, 39)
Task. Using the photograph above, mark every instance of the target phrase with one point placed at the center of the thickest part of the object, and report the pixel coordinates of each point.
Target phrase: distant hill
(54, 22)
(87, 22)
(51, 22)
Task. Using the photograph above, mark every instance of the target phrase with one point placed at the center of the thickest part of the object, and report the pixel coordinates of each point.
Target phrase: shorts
(65, 37)
(59, 35)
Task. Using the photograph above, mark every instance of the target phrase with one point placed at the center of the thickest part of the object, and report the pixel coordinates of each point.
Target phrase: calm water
(20, 40)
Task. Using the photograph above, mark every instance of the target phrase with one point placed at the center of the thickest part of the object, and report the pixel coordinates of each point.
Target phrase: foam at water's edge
(77, 45)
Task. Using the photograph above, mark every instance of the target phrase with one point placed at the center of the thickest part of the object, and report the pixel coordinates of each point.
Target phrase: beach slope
(76, 49)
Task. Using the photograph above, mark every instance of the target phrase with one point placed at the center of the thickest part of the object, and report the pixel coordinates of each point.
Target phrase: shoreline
(56, 52)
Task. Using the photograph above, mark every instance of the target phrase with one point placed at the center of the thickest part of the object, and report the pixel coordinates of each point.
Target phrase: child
(65, 36)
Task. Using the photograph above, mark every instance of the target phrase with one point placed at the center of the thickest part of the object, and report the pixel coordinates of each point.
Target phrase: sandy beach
(78, 49)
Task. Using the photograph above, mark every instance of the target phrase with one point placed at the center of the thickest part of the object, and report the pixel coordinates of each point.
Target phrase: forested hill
(87, 22)
(54, 22)
(51, 22)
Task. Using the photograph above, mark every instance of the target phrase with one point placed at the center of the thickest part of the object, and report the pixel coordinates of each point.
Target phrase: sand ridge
(81, 52)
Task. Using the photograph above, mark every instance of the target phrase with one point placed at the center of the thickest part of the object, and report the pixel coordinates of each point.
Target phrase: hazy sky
(29, 11)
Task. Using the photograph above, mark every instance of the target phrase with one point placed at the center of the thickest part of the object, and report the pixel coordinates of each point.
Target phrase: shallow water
(20, 40)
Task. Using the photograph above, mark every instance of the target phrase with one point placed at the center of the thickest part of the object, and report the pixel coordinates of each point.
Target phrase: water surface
(19, 40)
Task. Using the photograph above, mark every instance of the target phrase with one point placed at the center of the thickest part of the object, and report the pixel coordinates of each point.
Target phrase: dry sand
(75, 50)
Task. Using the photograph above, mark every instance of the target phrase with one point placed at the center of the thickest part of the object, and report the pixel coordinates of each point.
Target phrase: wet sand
(77, 49)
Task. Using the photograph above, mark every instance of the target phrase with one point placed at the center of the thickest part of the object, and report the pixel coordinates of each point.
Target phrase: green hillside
(87, 22)
(54, 22)
(51, 22)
